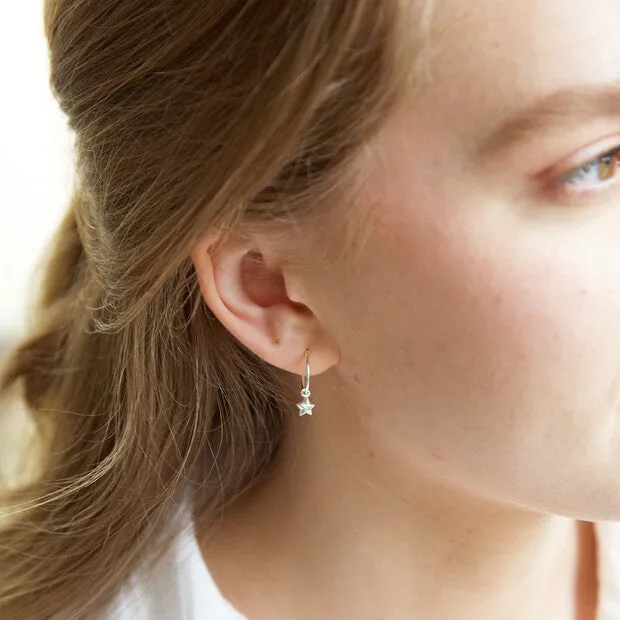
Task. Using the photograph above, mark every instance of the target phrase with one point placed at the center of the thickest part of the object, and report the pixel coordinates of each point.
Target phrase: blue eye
(595, 172)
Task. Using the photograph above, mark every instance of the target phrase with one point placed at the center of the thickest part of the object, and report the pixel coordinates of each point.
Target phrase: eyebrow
(562, 107)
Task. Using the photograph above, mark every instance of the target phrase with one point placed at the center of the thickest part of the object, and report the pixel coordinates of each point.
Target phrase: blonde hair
(188, 117)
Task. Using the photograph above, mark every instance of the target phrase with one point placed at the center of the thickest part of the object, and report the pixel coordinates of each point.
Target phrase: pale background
(36, 175)
(35, 158)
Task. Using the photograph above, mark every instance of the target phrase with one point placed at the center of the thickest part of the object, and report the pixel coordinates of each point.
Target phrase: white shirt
(179, 587)
(182, 588)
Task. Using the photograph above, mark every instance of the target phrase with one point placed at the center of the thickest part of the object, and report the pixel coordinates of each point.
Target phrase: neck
(334, 532)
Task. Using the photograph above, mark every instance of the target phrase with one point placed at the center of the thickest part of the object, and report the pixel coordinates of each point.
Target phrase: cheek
(491, 352)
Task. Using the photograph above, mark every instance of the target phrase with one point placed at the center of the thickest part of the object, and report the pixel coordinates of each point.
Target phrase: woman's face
(479, 322)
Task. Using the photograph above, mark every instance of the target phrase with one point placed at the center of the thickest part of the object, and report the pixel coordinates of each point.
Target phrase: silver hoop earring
(305, 406)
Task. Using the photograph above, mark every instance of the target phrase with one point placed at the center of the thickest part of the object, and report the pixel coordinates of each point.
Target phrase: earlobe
(250, 301)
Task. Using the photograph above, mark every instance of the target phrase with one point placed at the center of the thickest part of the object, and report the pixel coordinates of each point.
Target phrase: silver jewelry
(305, 406)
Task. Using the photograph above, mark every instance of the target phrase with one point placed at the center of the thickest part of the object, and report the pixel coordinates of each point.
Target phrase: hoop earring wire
(305, 406)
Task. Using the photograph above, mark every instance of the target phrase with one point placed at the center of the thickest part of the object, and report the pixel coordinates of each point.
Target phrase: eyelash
(606, 164)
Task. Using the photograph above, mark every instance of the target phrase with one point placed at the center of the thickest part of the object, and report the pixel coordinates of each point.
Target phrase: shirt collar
(608, 566)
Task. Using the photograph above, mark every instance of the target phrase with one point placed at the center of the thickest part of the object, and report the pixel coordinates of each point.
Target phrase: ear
(246, 288)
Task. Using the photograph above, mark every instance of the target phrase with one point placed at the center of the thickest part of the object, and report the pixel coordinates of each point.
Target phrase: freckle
(371, 454)
(437, 455)
(356, 379)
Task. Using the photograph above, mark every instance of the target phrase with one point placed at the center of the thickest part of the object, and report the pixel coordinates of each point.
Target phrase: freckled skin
(503, 312)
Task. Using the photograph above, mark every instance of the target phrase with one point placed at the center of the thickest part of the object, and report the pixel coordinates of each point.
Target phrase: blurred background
(36, 173)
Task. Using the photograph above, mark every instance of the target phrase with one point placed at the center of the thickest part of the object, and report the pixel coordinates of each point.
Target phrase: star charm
(305, 408)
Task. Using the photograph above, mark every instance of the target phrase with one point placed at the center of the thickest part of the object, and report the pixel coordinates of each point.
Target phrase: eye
(595, 172)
